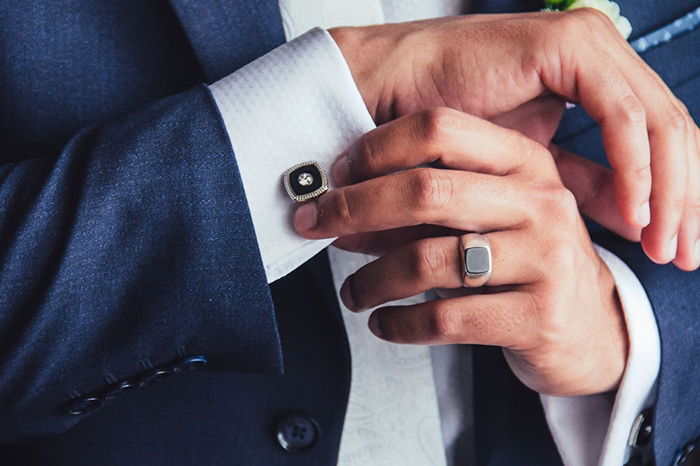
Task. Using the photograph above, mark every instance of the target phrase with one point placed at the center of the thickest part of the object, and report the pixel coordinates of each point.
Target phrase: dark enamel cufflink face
(305, 181)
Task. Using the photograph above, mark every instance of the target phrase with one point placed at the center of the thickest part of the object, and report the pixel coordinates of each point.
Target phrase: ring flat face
(477, 261)
(305, 181)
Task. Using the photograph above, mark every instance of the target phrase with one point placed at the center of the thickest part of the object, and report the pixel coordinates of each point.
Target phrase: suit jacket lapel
(228, 34)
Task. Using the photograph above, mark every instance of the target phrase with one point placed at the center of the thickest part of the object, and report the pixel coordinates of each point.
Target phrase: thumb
(592, 185)
(537, 119)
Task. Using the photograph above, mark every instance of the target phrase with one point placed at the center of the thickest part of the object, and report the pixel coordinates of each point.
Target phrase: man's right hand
(491, 65)
(551, 301)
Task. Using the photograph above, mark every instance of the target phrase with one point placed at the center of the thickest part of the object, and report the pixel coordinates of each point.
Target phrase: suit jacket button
(118, 389)
(688, 455)
(84, 406)
(189, 363)
(153, 376)
(297, 433)
(641, 430)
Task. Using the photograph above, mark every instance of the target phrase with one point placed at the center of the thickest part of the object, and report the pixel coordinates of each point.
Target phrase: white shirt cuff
(295, 104)
(594, 430)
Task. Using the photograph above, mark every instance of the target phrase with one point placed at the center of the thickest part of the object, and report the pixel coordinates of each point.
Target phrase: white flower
(611, 9)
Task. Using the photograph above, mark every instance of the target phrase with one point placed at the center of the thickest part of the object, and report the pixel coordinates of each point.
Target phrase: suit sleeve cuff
(594, 430)
(295, 104)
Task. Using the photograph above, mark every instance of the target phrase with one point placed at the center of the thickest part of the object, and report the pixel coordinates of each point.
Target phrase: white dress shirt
(299, 103)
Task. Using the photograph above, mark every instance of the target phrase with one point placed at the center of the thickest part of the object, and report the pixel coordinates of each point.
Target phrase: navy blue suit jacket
(126, 247)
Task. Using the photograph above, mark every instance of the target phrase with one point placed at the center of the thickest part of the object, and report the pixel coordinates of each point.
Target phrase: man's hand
(551, 301)
(493, 64)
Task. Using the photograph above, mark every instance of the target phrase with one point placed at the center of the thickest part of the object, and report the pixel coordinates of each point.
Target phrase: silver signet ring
(477, 262)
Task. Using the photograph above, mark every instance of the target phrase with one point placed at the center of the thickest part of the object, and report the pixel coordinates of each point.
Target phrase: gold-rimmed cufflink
(305, 181)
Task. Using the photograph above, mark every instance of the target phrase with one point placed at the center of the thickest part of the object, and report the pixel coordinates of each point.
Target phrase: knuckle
(577, 23)
(530, 149)
(594, 18)
(434, 124)
(343, 209)
(430, 189)
(445, 322)
(631, 110)
(539, 156)
(589, 14)
(365, 153)
(559, 204)
(565, 203)
(571, 23)
(428, 260)
(678, 120)
(682, 106)
(639, 173)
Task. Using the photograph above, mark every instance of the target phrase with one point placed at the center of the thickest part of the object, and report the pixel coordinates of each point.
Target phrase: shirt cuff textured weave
(295, 104)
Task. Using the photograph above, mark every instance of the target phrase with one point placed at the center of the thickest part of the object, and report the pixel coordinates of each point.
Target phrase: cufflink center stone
(305, 179)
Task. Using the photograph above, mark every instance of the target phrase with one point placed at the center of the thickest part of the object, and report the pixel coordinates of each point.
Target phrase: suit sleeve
(131, 248)
(675, 299)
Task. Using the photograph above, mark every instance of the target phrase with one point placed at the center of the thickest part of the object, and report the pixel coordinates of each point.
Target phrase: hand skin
(488, 65)
(551, 301)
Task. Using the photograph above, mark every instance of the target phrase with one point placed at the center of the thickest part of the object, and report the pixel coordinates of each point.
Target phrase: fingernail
(341, 171)
(644, 215)
(672, 248)
(345, 295)
(373, 325)
(305, 217)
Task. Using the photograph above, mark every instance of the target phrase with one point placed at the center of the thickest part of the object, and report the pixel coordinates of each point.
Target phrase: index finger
(582, 68)
(608, 98)
(448, 137)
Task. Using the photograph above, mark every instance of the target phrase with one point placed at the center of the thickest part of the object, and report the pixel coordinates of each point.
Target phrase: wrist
(377, 64)
(612, 362)
(353, 43)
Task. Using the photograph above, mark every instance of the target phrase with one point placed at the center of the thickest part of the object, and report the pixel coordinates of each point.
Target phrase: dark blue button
(153, 376)
(642, 430)
(688, 455)
(118, 390)
(644, 436)
(84, 406)
(189, 363)
(297, 433)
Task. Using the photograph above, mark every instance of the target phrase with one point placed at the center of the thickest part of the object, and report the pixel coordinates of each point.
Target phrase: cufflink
(305, 181)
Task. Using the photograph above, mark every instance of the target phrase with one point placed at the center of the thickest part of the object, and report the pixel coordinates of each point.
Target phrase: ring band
(477, 262)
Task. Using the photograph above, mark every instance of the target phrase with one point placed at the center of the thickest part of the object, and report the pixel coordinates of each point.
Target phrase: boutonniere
(611, 9)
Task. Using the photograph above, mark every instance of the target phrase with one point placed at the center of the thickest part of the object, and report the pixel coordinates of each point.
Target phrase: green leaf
(558, 5)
